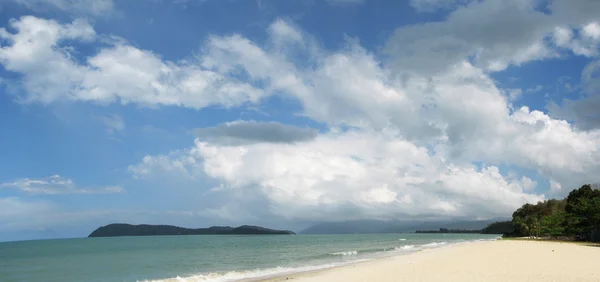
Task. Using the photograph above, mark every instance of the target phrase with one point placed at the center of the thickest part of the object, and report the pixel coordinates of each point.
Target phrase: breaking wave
(349, 253)
(280, 271)
(239, 275)
(434, 244)
(405, 247)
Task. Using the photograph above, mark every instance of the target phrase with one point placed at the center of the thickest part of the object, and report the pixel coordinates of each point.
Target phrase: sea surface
(202, 258)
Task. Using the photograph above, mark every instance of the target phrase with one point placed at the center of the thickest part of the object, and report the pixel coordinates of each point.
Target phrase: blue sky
(288, 113)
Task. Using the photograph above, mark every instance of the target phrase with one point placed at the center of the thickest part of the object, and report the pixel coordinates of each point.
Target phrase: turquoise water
(201, 258)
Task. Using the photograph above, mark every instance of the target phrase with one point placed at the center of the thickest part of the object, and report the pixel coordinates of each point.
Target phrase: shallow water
(201, 258)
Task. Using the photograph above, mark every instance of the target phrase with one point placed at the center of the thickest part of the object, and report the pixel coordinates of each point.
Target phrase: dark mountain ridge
(122, 229)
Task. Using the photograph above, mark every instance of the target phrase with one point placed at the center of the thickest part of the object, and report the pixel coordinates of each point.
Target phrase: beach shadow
(597, 245)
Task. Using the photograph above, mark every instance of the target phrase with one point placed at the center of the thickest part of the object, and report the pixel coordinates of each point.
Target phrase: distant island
(499, 227)
(122, 229)
(446, 230)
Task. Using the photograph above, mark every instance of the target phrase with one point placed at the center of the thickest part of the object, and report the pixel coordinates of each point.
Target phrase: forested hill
(120, 229)
(575, 217)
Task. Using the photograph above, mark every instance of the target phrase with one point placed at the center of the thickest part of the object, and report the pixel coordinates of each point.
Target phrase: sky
(289, 113)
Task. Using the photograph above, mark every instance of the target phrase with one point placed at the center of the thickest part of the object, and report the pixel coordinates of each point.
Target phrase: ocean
(202, 258)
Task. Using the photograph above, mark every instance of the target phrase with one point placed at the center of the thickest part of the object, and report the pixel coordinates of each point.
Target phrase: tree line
(575, 217)
(501, 227)
(446, 230)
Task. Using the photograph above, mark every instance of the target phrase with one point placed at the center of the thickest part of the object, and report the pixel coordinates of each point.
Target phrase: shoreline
(497, 260)
(293, 274)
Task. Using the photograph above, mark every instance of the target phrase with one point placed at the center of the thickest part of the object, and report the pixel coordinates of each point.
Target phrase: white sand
(506, 260)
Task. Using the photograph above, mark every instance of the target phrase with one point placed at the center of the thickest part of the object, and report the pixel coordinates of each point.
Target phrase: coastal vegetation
(446, 230)
(576, 217)
(499, 227)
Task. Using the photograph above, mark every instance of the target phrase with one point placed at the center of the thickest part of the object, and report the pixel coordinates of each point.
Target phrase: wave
(251, 274)
(239, 275)
(434, 244)
(276, 271)
(349, 253)
(405, 247)
(401, 239)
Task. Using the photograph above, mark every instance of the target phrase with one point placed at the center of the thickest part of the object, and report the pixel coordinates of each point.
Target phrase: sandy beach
(502, 260)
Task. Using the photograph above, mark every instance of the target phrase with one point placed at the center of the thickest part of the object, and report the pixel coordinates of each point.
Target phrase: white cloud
(93, 7)
(461, 109)
(417, 124)
(113, 123)
(585, 42)
(409, 152)
(514, 94)
(528, 184)
(176, 163)
(282, 31)
(322, 179)
(55, 185)
(118, 73)
(555, 187)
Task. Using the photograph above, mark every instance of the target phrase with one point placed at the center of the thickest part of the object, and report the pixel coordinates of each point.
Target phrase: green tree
(583, 208)
(578, 214)
(554, 224)
(499, 227)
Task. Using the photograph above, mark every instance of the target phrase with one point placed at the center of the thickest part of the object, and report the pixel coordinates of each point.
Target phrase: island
(122, 229)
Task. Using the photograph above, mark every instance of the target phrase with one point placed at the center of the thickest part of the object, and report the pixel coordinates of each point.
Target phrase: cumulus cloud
(495, 42)
(118, 73)
(55, 185)
(251, 131)
(528, 184)
(342, 172)
(411, 148)
(461, 112)
(402, 137)
(507, 33)
(93, 7)
(584, 41)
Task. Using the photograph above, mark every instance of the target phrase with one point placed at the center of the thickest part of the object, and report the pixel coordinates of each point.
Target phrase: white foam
(262, 273)
(349, 253)
(405, 247)
(434, 244)
(239, 275)
(401, 239)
